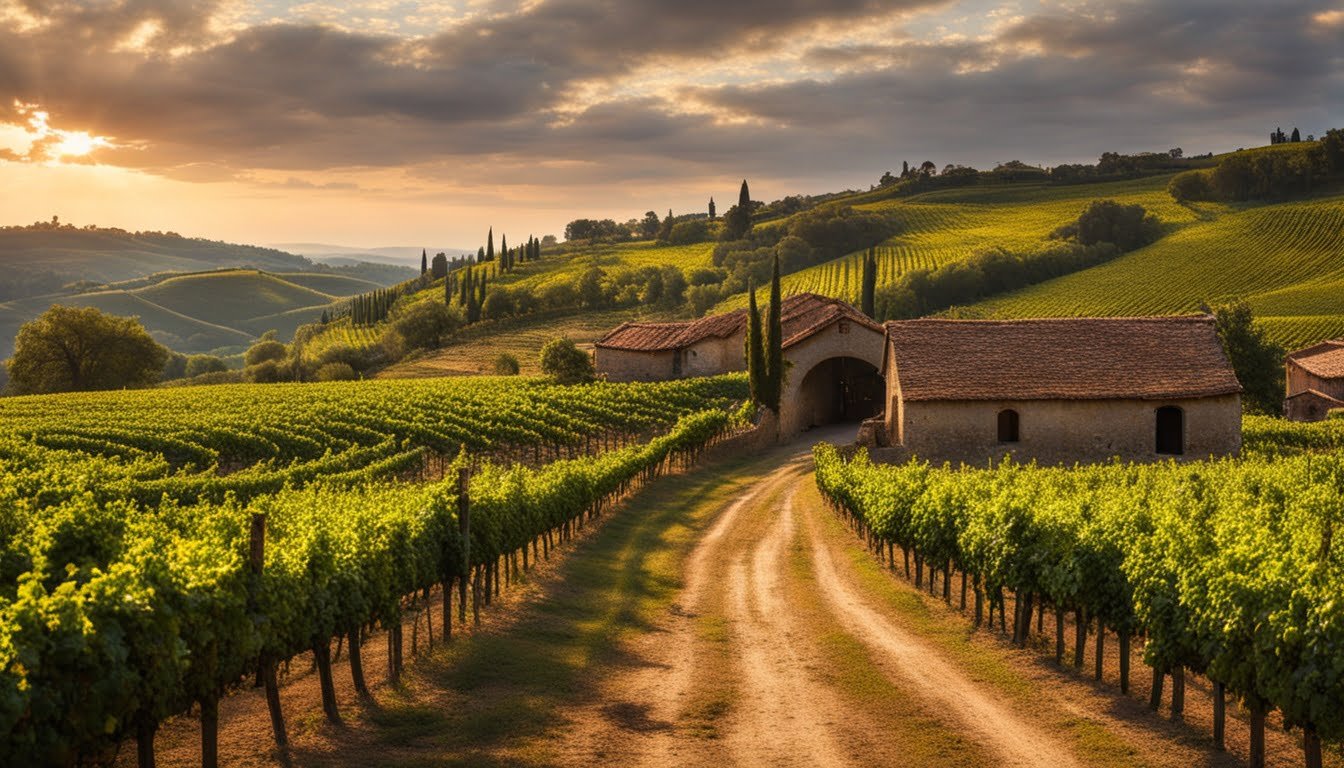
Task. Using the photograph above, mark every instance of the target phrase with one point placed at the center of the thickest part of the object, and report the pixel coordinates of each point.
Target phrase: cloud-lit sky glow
(387, 122)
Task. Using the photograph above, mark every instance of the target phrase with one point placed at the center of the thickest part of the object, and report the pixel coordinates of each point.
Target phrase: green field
(1286, 259)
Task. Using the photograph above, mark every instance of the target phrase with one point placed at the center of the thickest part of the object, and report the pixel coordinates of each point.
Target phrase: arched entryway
(839, 390)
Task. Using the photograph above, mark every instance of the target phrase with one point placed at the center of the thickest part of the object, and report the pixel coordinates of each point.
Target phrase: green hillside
(1286, 259)
(335, 285)
(233, 296)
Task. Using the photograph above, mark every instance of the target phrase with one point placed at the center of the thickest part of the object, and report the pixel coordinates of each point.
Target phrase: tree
(712, 211)
(870, 284)
(562, 360)
(755, 349)
(425, 324)
(424, 261)
(439, 267)
(774, 345)
(490, 245)
(82, 348)
(887, 179)
(648, 226)
(1106, 221)
(198, 365)
(737, 221)
(1257, 361)
(265, 349)
(1296, 137)
(744, 196)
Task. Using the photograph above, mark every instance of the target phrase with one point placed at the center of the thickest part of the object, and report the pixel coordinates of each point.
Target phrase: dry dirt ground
(724, 617)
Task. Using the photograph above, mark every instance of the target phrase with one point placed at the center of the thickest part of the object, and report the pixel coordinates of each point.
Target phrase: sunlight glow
(45, 143)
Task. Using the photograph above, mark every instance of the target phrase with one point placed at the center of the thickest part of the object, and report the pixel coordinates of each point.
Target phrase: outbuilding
(1060, 390)
(1314, 378)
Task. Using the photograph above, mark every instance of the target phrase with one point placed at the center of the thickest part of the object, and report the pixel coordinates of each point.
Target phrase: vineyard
(1284, 259)
(1225, 569)
(160, 547)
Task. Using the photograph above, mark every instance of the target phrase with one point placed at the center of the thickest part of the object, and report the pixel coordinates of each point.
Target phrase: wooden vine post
(210, 732)
(1219, 716)
(257, 557)
(464, 531)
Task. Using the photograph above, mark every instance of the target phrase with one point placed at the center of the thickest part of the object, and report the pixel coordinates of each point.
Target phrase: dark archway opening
(841, 389)
(1170, 431)
(1008, 425)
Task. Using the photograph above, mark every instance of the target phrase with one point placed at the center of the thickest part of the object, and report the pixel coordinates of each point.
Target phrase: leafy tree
(440, 266)
(1258, 362)
(665, 228)
(887, 179)
(266, 349)
(1106, 221)
(425, 324)
(198, 365)
(687, 232)
(506, 365)
(755, 351)
(72, 348)
(648, 226)
(562, 360)
(774, 345)
(1190, 186)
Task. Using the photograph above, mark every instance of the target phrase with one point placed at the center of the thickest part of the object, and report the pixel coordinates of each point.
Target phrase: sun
(76, 143)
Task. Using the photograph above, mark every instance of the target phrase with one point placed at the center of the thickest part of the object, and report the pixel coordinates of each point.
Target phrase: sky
(381, 122)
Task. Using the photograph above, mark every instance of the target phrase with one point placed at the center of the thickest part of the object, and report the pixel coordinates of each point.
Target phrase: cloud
(607, 92)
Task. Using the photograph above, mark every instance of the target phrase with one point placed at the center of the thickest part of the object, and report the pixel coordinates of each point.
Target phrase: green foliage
(198, 365)
(71, 349)
(1258, 362)
(425, 324)
(506, 365)
(335, 372)
(265, 350)
(775, 372)
(687, 232)
(1105, 221)
(563, 361)
(755, 351)
(1225, 567)
(1190, 186)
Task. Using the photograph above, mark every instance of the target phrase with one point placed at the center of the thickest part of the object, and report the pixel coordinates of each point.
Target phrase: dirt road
(722, 618)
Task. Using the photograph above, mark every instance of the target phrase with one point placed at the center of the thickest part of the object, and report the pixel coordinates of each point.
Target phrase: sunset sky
(396, 123)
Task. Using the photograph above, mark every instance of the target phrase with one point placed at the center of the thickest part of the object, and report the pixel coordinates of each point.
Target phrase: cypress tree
(774, 345)
(870, 284)
(755, 348)
(712, 212)
(490, 246)
(448, 288)
(744, 197)
(424, 262)
(504, 251)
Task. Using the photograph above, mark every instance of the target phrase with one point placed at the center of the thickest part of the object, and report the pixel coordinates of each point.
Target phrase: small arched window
(1170, 431)
(1008, 426)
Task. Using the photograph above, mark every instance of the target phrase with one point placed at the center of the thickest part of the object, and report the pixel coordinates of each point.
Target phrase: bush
(702, 298)
(687, 232)
(1106, 221)
(562, 360)
(198, 365)
(264, 350)
(335, 372)
(266, 372)
(1191, 186)
(506, 365)
(425, 324)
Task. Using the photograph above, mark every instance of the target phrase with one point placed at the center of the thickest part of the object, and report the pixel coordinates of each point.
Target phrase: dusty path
(723, 618)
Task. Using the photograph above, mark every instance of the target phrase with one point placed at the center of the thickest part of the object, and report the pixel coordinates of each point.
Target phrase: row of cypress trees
(765, 348)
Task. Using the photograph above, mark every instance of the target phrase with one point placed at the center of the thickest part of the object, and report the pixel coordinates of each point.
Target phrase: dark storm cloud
(300, 97)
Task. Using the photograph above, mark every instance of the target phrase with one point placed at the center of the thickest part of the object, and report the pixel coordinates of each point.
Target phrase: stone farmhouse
(834, 353)
(1060, 390)
(1314, 380)
(1054, 390)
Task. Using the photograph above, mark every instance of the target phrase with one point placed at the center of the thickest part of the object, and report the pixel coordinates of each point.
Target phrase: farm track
(724, 617)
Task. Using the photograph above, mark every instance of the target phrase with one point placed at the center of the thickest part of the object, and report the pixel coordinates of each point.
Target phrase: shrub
(562, 360)
(702, 297)
(198, 365)
(266, 372)
(1190, 186)
(335, 372)
(1106, 221)
(506, 365)
(687, 232)
(424, 325)
(265, 350)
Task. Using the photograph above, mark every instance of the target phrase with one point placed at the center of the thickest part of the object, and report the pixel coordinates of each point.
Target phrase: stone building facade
(1314, 379)
(1060, 390)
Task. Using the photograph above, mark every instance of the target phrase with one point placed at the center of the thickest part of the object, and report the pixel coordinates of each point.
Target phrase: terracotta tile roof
(801, 315)
(1325, 360)
(1316, 395)
(1147, 358)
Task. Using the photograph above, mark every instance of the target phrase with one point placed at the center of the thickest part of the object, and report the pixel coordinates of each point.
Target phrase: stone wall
(715, 356)
(1065, 431)
(797, 406)
(625, 365)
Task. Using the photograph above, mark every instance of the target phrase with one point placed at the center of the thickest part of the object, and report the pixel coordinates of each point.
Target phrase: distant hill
(50, 256)
(221, 311)
(402, 255)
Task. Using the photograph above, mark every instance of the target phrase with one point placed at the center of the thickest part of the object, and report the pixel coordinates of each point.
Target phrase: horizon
(373, 124)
